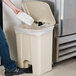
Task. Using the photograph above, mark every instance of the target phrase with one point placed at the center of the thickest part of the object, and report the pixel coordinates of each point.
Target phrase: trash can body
(35, 49)
(41, 48)
(34, 43)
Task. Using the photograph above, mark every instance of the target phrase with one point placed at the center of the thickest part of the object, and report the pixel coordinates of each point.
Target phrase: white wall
(9, 21)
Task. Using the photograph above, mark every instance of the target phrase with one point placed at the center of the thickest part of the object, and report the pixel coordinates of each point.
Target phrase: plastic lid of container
(34, 29)
(40, 11)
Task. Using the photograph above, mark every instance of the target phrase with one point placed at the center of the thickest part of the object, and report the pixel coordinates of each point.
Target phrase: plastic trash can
(34, 43)
(34, 47)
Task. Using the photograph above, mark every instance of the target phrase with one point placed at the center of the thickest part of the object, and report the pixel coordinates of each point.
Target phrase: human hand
(17, 10)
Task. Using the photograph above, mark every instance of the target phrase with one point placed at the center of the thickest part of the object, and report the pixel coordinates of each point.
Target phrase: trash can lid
(40, 11)
(34, 29)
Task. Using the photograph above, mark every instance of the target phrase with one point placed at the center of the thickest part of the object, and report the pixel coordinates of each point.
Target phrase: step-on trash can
(34, 43)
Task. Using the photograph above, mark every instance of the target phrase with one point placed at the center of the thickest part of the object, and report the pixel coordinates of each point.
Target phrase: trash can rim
(33, 32)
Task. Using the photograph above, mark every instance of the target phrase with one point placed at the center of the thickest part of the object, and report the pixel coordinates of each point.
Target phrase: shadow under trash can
(34, 45)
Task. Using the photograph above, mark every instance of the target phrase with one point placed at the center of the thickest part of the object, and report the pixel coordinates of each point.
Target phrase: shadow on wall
(10, 36)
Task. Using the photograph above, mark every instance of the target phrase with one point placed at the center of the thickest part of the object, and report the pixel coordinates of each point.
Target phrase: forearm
(9, 3)
(12, 6)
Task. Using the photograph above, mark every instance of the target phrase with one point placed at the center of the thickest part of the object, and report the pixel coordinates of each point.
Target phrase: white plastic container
(34, 47)
(25, 18)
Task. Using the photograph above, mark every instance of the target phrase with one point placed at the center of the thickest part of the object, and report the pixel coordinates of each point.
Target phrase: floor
(65, 68)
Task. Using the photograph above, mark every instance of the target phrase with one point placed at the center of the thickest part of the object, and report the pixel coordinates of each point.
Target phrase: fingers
(17, 10)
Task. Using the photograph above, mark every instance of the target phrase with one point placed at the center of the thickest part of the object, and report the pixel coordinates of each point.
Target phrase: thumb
(16, 11)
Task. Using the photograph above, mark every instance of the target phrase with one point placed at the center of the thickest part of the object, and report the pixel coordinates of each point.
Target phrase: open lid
(39, 10)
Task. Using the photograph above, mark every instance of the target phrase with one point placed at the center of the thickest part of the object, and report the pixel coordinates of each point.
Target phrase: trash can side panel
(26, 50)
(23, 49)
(26, 47)
(35, 54)
(19, 50)
(42, 52)
(46, 52)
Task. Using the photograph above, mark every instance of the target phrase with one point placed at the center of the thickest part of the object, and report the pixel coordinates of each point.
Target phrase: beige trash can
(34, 47)
(34, 43)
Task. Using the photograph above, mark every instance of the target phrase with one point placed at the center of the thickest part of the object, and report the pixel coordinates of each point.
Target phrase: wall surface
(9, 22)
